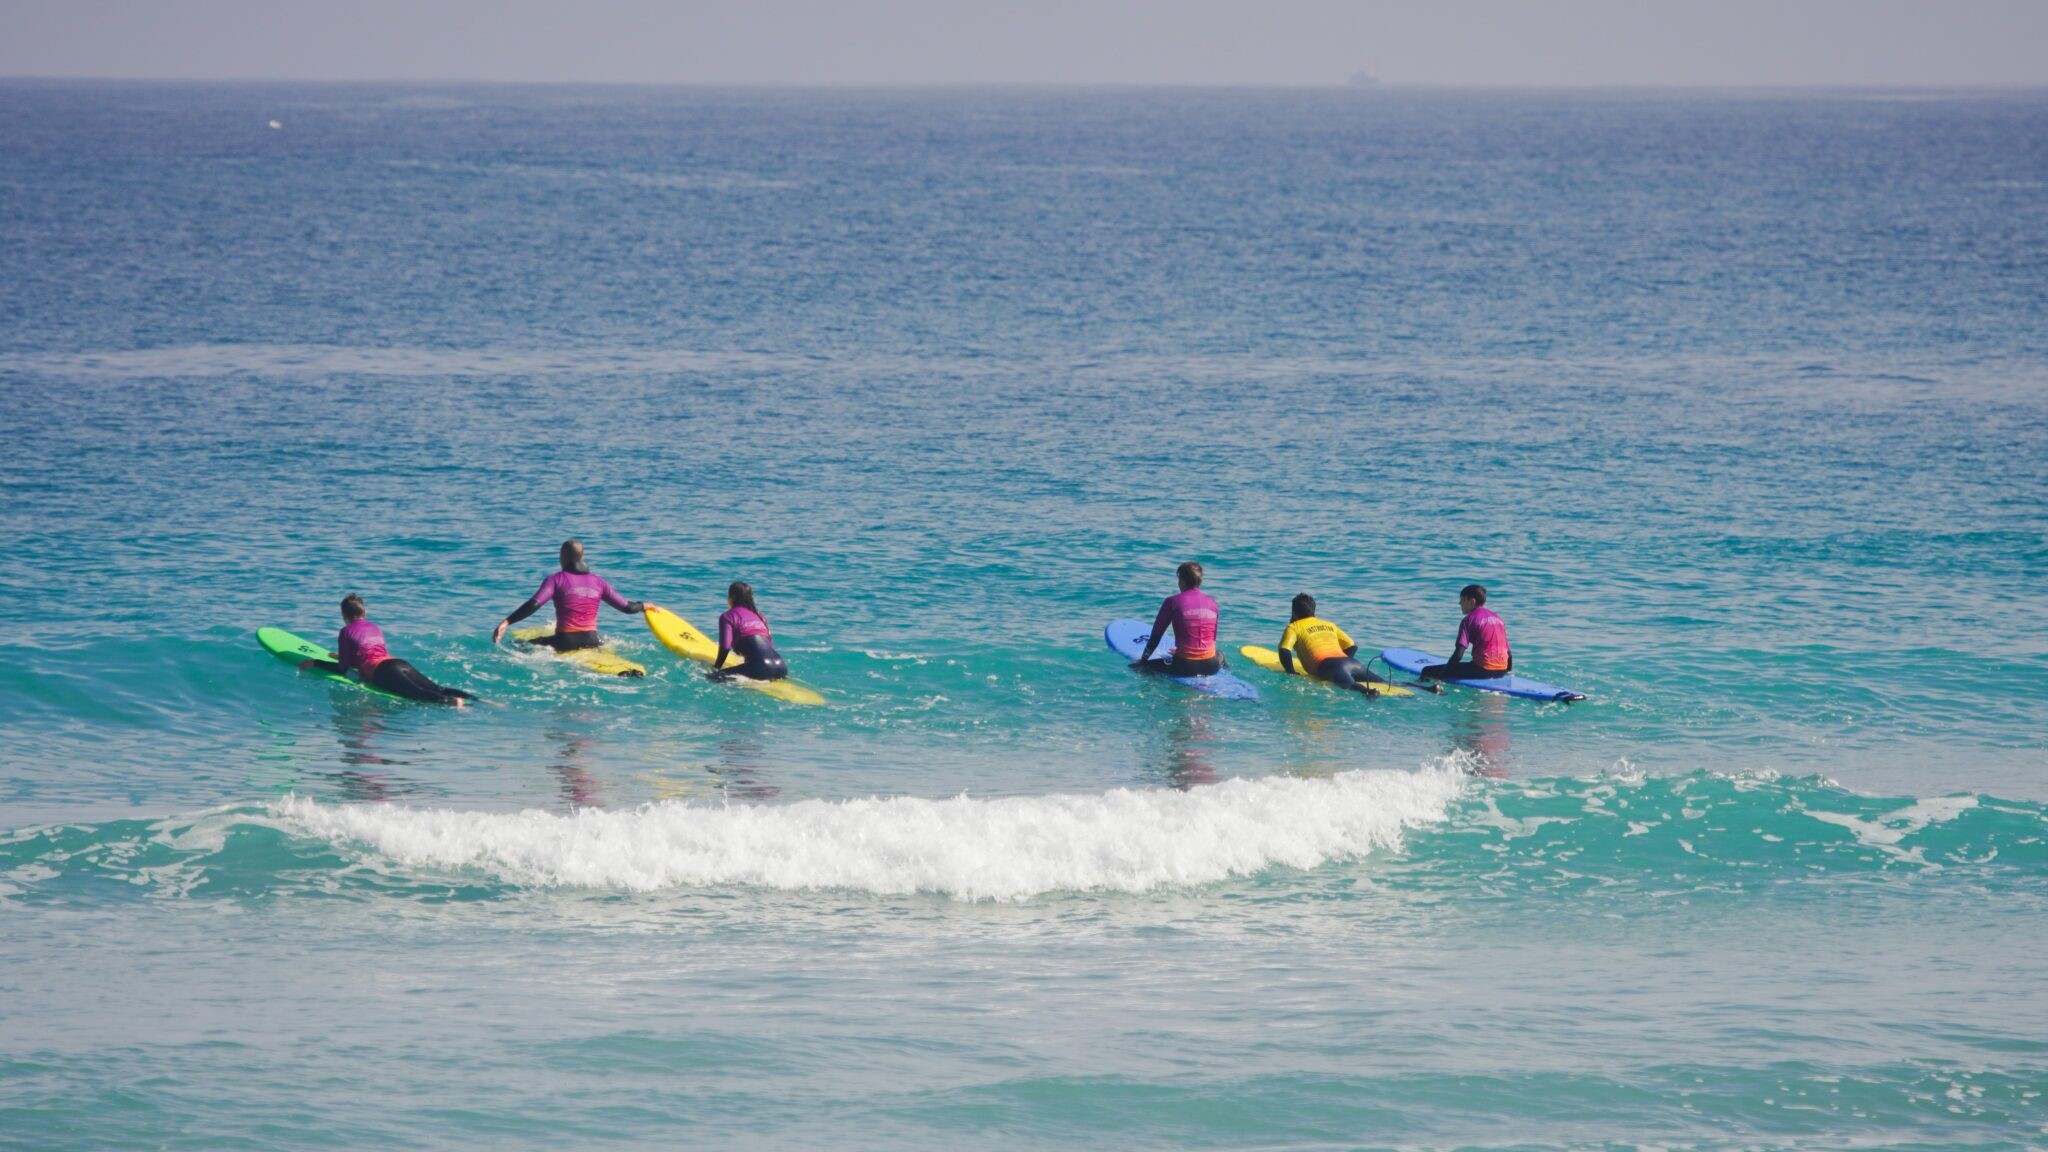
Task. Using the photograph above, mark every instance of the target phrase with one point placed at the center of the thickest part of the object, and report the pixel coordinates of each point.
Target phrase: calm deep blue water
(1737, 403)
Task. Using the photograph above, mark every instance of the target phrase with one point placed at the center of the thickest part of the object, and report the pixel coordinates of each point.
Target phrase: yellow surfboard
(603, 659)
(676, 635)
(1269, 659)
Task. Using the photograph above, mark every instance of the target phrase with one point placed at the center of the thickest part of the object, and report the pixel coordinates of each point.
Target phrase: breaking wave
(973, 849)
(1642, 841)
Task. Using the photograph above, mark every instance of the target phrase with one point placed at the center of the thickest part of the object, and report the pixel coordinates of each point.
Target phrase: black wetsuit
(565, 641)
(1465, 670)
(758, 660)
(1179, 667)
(1346, 672)
(402, 679)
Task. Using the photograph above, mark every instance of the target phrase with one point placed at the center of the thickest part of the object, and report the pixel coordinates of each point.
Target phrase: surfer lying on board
(742, 633)
(576, 591)
(361, 647)
(1192, 613)
(1486, 633)
(1322, 650)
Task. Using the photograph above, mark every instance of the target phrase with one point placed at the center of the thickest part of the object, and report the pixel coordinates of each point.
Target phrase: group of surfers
(1315, 647)
(1311, 645)
(576, 592)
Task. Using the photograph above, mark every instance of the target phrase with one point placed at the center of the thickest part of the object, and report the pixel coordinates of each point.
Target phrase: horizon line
(1126, 85)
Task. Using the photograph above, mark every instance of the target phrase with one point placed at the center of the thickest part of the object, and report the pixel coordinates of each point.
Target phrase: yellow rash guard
(1314, 640)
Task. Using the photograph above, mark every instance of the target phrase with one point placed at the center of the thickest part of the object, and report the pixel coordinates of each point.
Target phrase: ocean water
(1738, 403)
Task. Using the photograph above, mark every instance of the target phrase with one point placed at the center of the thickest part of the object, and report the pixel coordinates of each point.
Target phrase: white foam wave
(1886, 832)
(971, 849)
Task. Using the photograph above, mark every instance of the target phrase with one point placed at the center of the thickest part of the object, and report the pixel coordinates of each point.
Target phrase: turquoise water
(1738, 404)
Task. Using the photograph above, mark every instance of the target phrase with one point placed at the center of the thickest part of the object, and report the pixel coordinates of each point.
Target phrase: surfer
(742, 633)
(1192, 614)
(1485, 633)
(361, 647)
(1323, 650)
(576, 592)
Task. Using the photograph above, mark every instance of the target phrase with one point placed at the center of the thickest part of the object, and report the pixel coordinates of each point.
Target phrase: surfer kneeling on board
(1192, 614)
(1486, 633)
(742, 633)
(361, 647)
(1323, 650)
(576, 592)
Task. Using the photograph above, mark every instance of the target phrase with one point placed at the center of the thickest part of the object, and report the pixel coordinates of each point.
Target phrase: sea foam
(1123, 840)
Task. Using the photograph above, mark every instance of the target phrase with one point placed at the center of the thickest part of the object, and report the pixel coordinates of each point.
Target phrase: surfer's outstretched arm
(540, 597)
(612, 598)
(531, 606)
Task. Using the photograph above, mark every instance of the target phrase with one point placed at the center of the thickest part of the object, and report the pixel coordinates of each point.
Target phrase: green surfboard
(292, 649)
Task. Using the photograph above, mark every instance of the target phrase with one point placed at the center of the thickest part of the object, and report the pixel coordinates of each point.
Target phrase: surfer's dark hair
(1475, 591)
(1304, 606)
(572, 556)
(352, 607)
(741, 595)
(1190, 574)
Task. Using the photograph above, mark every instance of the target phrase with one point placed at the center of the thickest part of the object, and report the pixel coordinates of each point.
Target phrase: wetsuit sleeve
(617, 601)
(1464, 630)
(1159, 623)
(1287, 640)
(533, 602)
(724, 640)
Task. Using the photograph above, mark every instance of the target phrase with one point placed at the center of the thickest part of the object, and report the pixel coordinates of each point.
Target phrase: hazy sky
(1563, 42)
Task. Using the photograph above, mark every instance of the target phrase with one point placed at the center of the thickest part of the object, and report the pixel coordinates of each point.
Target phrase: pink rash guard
(1193, 616)
(1487, 633)
(361, 647)
(576, 596)
(736, 623)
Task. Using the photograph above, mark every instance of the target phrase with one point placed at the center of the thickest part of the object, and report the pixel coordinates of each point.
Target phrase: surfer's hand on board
(498, 633)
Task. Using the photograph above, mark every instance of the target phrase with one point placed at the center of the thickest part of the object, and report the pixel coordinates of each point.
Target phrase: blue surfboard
(1412, 662)
(1127, 639)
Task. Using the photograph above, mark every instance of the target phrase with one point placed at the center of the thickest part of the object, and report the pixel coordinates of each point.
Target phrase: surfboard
(1127, 639)
(292, 649)
(603, 659)
(1412, 662)
(680, 637)
(1269, 659)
